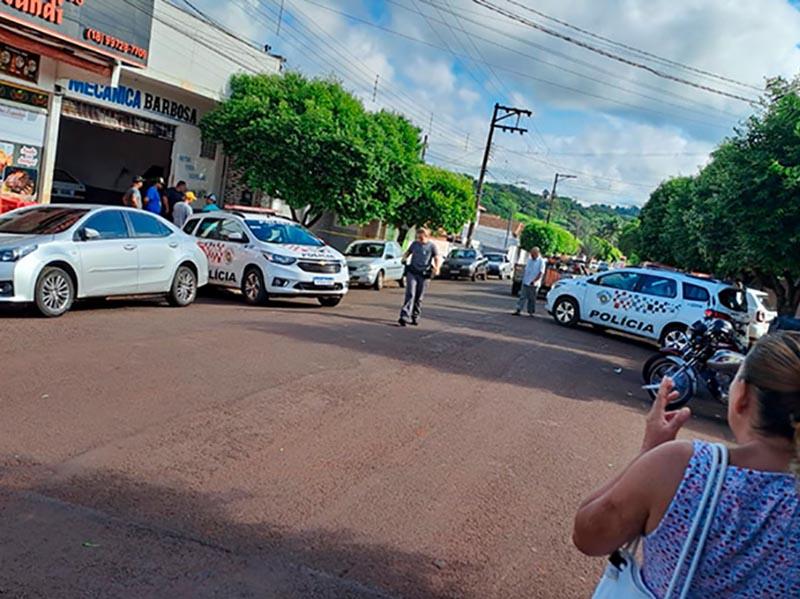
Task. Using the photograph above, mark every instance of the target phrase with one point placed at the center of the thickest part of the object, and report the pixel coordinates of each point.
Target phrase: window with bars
(208, 149)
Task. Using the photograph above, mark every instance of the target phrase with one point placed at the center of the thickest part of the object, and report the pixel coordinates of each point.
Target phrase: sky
(619, 128)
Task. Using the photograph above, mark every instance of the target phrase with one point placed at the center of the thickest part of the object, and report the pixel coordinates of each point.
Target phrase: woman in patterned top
(753, 548)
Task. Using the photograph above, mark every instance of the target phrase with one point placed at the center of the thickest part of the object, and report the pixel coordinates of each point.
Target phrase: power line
(607, 54)
(632, 49)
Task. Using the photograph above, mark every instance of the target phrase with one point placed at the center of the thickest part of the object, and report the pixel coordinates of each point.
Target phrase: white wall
(189, 53)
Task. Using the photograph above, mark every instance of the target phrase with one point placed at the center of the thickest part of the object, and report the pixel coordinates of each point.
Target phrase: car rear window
(695, 293)
(733, 299)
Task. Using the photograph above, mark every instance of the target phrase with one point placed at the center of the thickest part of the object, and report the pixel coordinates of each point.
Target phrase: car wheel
(566, 312)
(253, 288)
(329, 302)
(674, 336)
(184, 288)
(55, 292)
(380, 279)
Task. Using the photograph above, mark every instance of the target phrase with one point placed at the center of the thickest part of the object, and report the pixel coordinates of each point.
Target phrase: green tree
(441, 200)
(550, 239)
(304, 141)
(629, 238)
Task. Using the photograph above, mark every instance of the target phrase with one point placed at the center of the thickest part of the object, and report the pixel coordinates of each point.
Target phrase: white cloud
(618, 141)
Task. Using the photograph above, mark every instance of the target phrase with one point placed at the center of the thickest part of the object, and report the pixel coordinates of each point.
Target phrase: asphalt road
(293, 451)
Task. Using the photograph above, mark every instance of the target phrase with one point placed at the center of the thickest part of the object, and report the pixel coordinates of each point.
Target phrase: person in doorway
(532, 280)
(423, 263)
(211, 204)
(753, 543)
(174, 195)
(181, 211)
(133, 197)
(154, 200)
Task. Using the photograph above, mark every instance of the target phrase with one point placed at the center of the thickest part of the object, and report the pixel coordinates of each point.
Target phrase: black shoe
(401, 322)
(414, 323)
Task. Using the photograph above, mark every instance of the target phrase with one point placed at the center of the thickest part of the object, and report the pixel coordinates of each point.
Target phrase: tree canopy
(550, 239)
(740, 216)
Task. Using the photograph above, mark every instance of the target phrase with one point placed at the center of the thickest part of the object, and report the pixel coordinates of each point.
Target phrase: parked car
(465, 263)
(372, 263)
(267, 257)
(68, 188)
(762, 313)
(603, 267)
(648, 302)
(499, 266)
(52, 255)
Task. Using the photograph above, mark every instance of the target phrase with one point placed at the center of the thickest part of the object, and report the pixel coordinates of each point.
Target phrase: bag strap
(712, 507)
(703, 518)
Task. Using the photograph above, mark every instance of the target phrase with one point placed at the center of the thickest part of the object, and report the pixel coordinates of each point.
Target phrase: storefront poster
(18, 63)
(20, 182)
(23, 155)
(22, 95)
(120, 29)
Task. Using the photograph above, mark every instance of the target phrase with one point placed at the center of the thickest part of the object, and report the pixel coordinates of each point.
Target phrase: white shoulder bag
(623, 577)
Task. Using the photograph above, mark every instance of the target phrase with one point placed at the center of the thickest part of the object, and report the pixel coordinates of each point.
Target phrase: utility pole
(559, 177)
(424, 147)
(501, 113)
(511, 211)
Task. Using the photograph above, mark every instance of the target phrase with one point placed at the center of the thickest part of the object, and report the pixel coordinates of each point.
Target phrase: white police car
(268, 257)
(654, 303)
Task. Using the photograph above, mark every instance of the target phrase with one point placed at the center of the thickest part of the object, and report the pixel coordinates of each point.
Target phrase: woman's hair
(772, 368)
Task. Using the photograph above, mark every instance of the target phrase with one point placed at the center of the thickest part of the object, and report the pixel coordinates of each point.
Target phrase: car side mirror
(88, 234)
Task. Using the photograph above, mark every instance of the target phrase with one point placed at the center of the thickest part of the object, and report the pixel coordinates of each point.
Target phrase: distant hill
(582, 221)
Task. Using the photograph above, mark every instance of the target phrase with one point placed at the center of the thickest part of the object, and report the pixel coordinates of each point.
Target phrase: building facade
(97, 92)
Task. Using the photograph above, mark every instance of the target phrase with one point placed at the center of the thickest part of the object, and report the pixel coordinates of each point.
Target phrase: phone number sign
(119, 29)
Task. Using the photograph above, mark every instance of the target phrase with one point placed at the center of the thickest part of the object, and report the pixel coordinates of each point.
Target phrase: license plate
(323, 281)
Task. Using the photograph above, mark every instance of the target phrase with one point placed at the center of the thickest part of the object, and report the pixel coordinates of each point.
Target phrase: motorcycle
(712, 355)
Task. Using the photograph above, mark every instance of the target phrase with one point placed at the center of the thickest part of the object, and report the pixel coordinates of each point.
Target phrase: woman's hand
(662, 426)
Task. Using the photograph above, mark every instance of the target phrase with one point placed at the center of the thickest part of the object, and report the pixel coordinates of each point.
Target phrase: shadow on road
(138, 539)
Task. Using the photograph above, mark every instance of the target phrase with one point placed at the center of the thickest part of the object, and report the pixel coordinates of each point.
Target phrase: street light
(559, 177)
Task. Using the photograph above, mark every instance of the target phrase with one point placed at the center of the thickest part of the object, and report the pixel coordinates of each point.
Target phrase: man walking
(153, 201)
(133, 197)
(181, 211)
(424, 264)
(531, 282)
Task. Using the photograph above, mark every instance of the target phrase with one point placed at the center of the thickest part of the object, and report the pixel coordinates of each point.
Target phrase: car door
(236, 250)
(158, 251)
(658, 306)
(608, 298)
(394, 261)
(109, 256)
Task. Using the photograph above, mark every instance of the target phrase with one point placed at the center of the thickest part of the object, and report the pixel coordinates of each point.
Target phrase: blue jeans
(527, 295)
(416, 285)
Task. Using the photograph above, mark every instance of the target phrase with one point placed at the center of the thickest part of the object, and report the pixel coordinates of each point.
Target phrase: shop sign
(22, 95)
(19, 169)
(19, 63)
(131, 97)
(112, 27)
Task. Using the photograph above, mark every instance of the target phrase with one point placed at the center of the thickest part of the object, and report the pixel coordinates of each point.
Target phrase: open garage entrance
(100, 151)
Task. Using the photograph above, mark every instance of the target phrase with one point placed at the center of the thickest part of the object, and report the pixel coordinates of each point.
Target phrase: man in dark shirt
(174, 195)
(424, 264)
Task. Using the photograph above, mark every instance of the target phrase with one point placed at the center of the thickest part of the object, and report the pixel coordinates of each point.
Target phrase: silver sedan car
(373, 263)
(51, 255)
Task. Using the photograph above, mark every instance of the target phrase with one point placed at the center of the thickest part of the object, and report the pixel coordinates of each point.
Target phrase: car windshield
(282, 232)
(494, 257)
(464, 254)
(47, 220)
(365, 250)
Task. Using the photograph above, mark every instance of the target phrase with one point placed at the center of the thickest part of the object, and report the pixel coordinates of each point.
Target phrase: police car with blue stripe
(654, 303)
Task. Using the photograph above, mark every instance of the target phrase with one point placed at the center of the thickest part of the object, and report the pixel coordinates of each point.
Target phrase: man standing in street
(181, 211)
(133, 197)
(424, 264)
(174, 195)
(153, 201)
(531, 282)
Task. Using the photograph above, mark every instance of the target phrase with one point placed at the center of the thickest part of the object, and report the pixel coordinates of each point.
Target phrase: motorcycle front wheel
(659, 367)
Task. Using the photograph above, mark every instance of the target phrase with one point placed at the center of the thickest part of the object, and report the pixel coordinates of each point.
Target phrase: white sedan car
(51, 255)
(268, 257)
